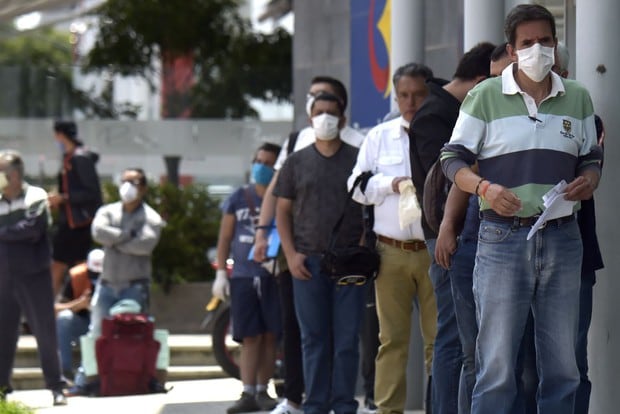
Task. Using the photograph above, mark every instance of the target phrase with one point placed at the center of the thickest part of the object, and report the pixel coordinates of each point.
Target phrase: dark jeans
(291, 341)
(582, 399)
(447, 353)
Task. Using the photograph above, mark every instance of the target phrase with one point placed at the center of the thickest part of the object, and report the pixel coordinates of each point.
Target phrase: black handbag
(352, 264)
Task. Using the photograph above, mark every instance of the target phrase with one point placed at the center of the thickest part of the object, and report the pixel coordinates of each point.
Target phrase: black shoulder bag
(354, 264)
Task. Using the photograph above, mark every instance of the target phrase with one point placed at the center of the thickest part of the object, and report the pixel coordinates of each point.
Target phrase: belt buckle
(542, 226)
(403, 245)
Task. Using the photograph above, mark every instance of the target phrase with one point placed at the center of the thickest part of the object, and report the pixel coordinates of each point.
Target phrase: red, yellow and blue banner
(370, 61)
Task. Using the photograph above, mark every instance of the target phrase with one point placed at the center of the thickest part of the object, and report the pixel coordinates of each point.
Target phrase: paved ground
(187, 397)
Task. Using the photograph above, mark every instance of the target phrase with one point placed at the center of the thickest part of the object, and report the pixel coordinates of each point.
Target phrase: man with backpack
(255, 308)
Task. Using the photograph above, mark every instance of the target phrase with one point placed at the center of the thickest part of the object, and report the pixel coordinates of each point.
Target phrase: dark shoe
(246, 404)
(369, 406)
(265, 402)
(59, 397)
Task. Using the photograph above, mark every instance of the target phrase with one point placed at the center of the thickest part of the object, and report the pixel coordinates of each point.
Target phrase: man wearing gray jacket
(129, 230)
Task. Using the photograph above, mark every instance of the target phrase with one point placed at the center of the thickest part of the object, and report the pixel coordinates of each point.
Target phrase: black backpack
(436, 189)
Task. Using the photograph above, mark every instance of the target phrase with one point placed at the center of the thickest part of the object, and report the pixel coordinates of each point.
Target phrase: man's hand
(581, 188)
(55, 200)
(445, 246)
(503, 201)
(260, 246)
(221, 286)
(298, 268)
(395, 183)
(83, 302)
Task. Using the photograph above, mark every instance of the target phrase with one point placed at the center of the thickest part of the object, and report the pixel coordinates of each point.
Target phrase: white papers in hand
(555, 206)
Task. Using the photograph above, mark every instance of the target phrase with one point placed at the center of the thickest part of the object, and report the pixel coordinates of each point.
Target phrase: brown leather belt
(409, 245)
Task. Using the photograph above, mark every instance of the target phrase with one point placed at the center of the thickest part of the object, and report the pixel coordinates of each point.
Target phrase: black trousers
(291, 341)
(32, 295)
(369, 340)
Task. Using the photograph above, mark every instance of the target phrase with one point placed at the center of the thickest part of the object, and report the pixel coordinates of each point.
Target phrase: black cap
(68, 129)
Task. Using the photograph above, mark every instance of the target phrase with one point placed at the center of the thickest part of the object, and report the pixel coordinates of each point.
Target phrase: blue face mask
(61, 147)
(261, 173)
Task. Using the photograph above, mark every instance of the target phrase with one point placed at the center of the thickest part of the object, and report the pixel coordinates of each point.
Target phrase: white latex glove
(408, 208)
(221, 286)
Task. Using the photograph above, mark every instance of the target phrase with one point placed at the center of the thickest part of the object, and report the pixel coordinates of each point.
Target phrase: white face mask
(325, 126)
(536, 61)
(3, 181)
(128, 192)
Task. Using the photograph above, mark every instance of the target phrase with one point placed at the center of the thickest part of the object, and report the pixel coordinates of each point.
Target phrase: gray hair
(13, 160)
(413, 70)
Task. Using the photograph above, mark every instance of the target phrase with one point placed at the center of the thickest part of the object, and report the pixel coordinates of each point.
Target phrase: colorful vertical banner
(370, 61)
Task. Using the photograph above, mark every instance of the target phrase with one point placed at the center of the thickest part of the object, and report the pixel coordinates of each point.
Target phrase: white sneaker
(285, 408)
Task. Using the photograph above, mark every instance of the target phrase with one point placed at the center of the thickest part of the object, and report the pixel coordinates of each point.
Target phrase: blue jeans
(447, 355)
(329, 319)
(461, 274)
(582, 398)
(69, 327)
(105, 297)
(513, 275)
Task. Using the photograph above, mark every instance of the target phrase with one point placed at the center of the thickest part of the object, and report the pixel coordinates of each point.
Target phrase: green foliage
(192, 224)
(231, 63)
(10, 407)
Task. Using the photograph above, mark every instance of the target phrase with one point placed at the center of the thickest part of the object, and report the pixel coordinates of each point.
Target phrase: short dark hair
(475, 62)
(526, 13)
(269, 147)
(140, 171)
(499, 52)
(324, 96)
(68, 129)
(339, 88)
(413, 70)
(13, 161)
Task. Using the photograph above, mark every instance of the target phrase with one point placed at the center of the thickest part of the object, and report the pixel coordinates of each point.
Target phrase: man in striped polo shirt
(526, 130)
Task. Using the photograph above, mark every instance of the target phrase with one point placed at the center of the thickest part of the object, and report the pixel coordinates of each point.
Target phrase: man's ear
(512, 53)
(342, 122)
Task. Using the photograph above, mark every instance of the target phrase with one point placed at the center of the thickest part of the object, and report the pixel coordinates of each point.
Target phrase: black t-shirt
(317, 185)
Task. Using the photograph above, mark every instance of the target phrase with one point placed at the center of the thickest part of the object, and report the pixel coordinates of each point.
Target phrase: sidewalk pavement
(187, 397)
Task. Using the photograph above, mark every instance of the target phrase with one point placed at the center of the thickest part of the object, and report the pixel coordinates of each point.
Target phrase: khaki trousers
(403, 277)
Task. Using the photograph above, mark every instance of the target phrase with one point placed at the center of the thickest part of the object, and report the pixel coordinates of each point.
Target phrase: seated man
(73, 310)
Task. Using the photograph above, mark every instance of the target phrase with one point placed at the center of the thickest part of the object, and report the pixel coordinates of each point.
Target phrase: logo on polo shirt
(567, 127)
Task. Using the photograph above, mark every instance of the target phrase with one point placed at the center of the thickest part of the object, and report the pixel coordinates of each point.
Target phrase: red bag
(126, 355)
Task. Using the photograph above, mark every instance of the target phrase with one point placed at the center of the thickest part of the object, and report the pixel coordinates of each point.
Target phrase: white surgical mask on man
(536, 61)
(325, 126)
(128, 192)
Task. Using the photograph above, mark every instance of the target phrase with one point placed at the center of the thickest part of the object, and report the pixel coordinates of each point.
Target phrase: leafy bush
(11, 407)
(192, 223)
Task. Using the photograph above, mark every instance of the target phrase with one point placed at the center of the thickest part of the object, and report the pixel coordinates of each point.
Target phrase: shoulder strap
(292, 140)
(248, 199)
(362, 181)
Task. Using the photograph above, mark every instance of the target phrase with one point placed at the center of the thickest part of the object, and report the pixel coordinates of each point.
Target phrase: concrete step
(191, 358)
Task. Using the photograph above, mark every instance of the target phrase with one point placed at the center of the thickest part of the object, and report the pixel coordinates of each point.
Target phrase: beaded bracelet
(478, 186)
(483, 192)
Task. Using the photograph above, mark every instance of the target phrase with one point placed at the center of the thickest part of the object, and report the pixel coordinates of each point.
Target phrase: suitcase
(126, 355)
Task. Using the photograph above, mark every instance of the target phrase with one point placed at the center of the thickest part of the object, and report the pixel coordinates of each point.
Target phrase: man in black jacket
(77, 199)
(25, 283)
(429, 130)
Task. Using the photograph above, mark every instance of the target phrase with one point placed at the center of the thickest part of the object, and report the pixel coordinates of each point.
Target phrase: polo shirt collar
(510, 86)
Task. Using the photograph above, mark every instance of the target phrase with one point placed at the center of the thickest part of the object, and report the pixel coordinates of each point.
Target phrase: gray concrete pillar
(483, 21)
(407, 34)
(598, 68)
